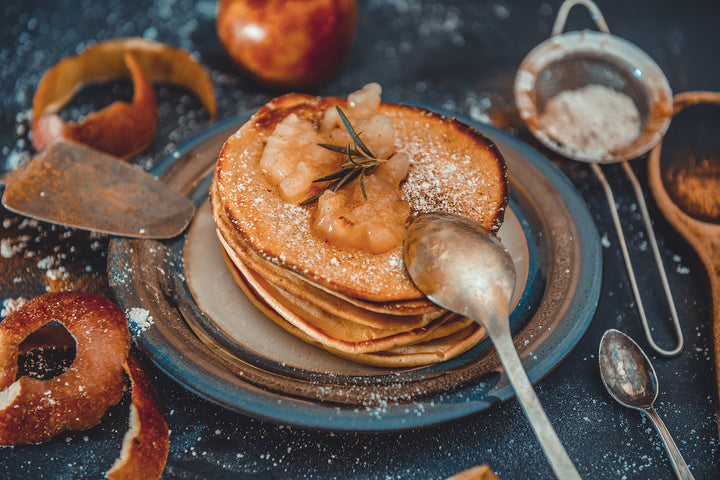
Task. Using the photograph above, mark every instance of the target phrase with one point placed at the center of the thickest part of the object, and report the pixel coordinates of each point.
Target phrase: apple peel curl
(107, 61)
(121, 129)
(146, 443)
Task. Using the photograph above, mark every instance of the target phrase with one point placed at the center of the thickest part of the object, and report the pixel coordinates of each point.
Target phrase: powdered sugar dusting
(9, 305)
(50, 256)
(139, 320)
(448, 177)
(594, 120)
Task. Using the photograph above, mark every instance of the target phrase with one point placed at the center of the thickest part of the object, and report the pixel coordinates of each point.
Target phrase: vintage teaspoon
(464, 268)
(630, 378)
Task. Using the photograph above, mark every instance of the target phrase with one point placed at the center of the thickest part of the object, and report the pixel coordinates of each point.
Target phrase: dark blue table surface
(459, 56)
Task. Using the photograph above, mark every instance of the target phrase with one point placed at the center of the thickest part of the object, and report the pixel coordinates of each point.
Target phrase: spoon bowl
(626, 371)
(630, 379)
(463, 267)
(445, 268)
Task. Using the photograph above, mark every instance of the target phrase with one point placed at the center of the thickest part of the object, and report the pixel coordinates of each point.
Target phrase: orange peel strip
(121, 129)
(104, 62)
(146, 443)
(32, 410)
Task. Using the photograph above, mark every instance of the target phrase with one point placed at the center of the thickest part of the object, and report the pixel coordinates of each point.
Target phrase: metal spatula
(76, 186)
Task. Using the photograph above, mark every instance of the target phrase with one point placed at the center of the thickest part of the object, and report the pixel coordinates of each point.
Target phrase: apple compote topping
(292, 158)
(367, 212)
(376, 224)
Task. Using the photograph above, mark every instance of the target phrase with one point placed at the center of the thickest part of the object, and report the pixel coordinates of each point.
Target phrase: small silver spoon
(464, 268)
(630, 378)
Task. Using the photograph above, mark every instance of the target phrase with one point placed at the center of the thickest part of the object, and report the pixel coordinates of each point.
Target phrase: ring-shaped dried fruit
(33, 410)
(105, 61)
(121, 129)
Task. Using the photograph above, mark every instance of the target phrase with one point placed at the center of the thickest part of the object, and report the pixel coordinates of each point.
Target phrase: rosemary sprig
(360, 161)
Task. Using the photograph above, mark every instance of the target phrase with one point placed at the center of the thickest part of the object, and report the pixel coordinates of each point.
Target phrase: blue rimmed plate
(258, 369)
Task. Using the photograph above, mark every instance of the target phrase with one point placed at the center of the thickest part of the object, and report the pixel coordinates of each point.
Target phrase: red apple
(287, 43)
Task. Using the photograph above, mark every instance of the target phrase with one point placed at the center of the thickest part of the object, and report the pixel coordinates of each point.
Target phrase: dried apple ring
(32, 410)
(105, 61)
(121, 129)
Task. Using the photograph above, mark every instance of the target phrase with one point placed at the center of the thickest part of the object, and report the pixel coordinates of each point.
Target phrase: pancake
(353, 298)
(454, 336)
(332, 332)
(453, 168)
(409, 314)
(425, 353)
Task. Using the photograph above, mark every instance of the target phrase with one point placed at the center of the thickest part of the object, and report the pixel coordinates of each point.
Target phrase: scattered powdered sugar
(139, 320)
(52, 269)
(445, 185)
(593, 120)
(46, 263)
(9, 247)
(680, 268)
(605, 241)
(9, 305)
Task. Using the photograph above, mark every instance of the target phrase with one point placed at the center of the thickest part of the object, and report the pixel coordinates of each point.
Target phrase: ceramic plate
(211, 339)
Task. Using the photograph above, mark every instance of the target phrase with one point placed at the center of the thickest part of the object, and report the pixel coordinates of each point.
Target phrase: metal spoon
(464, 268)
(630, 378)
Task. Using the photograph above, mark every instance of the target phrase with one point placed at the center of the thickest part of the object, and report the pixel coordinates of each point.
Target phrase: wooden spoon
(686, 186)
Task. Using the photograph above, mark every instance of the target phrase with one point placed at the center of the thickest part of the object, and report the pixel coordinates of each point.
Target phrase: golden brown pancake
(350, 301)
(409, 314)
(453, 168)
(453, 336)
(332, 331)
(419, 354)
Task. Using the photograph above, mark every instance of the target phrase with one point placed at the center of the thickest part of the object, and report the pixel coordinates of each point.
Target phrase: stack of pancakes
(354, 303)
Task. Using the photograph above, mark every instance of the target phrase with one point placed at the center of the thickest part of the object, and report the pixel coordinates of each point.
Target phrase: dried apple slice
(105, 61)
(146, 443)
(33, 410)
(121, 129)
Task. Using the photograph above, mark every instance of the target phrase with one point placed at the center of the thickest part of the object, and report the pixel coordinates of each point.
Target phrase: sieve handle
(595, 13)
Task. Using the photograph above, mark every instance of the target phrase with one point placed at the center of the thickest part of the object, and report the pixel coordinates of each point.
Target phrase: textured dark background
(459, 56)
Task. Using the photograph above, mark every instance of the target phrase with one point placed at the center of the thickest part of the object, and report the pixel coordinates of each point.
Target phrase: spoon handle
(559, 460)
(678, 462)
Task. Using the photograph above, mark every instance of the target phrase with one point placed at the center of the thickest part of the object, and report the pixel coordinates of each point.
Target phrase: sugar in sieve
(587, 65)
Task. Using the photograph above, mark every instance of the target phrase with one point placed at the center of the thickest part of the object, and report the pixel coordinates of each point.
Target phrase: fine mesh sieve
(572, 60)
(568, 62)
